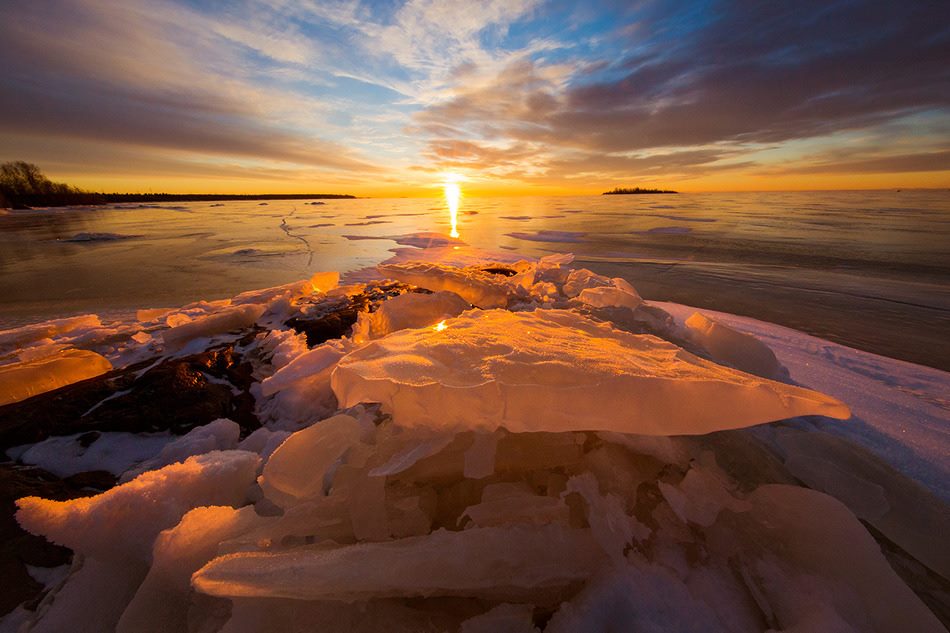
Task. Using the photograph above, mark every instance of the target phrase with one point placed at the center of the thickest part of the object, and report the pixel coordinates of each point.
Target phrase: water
(869, 269)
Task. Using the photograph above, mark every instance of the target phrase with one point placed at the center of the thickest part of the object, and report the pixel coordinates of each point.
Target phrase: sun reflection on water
(453, 193)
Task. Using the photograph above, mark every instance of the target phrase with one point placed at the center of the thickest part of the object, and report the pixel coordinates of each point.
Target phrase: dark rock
(176, 395)
(86, 439)
(19, 548)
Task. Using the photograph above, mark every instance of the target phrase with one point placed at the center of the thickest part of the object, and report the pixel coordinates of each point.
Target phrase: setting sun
(453, 193)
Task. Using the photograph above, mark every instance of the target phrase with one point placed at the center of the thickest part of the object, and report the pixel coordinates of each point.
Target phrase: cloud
(740, 75)
(150, 75)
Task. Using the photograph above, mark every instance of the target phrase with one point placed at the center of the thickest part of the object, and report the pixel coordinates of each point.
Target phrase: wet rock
(176, 395)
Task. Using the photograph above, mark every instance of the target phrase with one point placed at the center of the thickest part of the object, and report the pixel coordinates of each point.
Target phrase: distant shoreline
(76, 199)
(621, 191)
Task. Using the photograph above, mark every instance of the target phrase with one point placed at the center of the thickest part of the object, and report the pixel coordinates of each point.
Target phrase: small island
(623, 191)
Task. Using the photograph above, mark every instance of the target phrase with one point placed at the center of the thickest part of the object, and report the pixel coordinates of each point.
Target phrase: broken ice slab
(512, 563)
(21, 336)
(411, 310)
(554, 370)
(23, 380)
(225, 320)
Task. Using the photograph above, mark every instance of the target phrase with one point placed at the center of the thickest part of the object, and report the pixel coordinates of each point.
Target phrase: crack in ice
(286, 229)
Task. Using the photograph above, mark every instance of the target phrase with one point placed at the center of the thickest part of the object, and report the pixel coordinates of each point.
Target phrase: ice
(906, 512)
(299, 393)
(115, 452)
(531, 470)
(297, 469)
(733, 348)
(480, 457)
(410, 310)
(284, 346)
(319, 282)
(900, 409)
(618, 294)
(611, 526)
(480, 289)
(91, 600)
(699, 498)
(553, 370)
(500, 563)
(219, 435)
(816, 534)
(178, 553)
(263, 441)
(19, 381)
(152, 314)
(219, 322)
(21, 336)
(579, 279)
(122, 523)
(514, 503)
(416, 450)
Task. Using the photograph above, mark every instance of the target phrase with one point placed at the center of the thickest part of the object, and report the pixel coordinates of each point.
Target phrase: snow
(113, 452)
(219, 435)
(553, 370)
(121, 524)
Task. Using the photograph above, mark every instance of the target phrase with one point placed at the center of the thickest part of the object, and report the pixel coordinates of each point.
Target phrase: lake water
(869, 269)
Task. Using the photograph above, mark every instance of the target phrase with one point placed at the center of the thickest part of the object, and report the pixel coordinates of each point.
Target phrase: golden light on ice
(453, 193)
(438, 327)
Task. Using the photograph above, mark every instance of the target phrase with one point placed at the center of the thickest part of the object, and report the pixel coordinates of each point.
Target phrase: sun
(453, 194)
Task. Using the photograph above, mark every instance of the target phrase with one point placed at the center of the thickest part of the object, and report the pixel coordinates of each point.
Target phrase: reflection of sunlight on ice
(452, 195)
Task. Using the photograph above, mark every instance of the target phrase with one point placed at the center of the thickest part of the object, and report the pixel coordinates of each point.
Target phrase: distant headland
(624, 191)
(23, 186)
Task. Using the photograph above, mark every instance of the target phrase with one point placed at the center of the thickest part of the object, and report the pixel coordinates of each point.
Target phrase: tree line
(23, 186)
(621, 191)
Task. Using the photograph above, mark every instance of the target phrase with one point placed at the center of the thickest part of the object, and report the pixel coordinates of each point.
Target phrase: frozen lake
(868, 269)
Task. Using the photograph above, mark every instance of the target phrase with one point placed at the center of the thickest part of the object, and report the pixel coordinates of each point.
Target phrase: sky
(506, 96)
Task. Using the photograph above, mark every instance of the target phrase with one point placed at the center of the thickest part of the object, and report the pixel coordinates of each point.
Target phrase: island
(623, 191)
